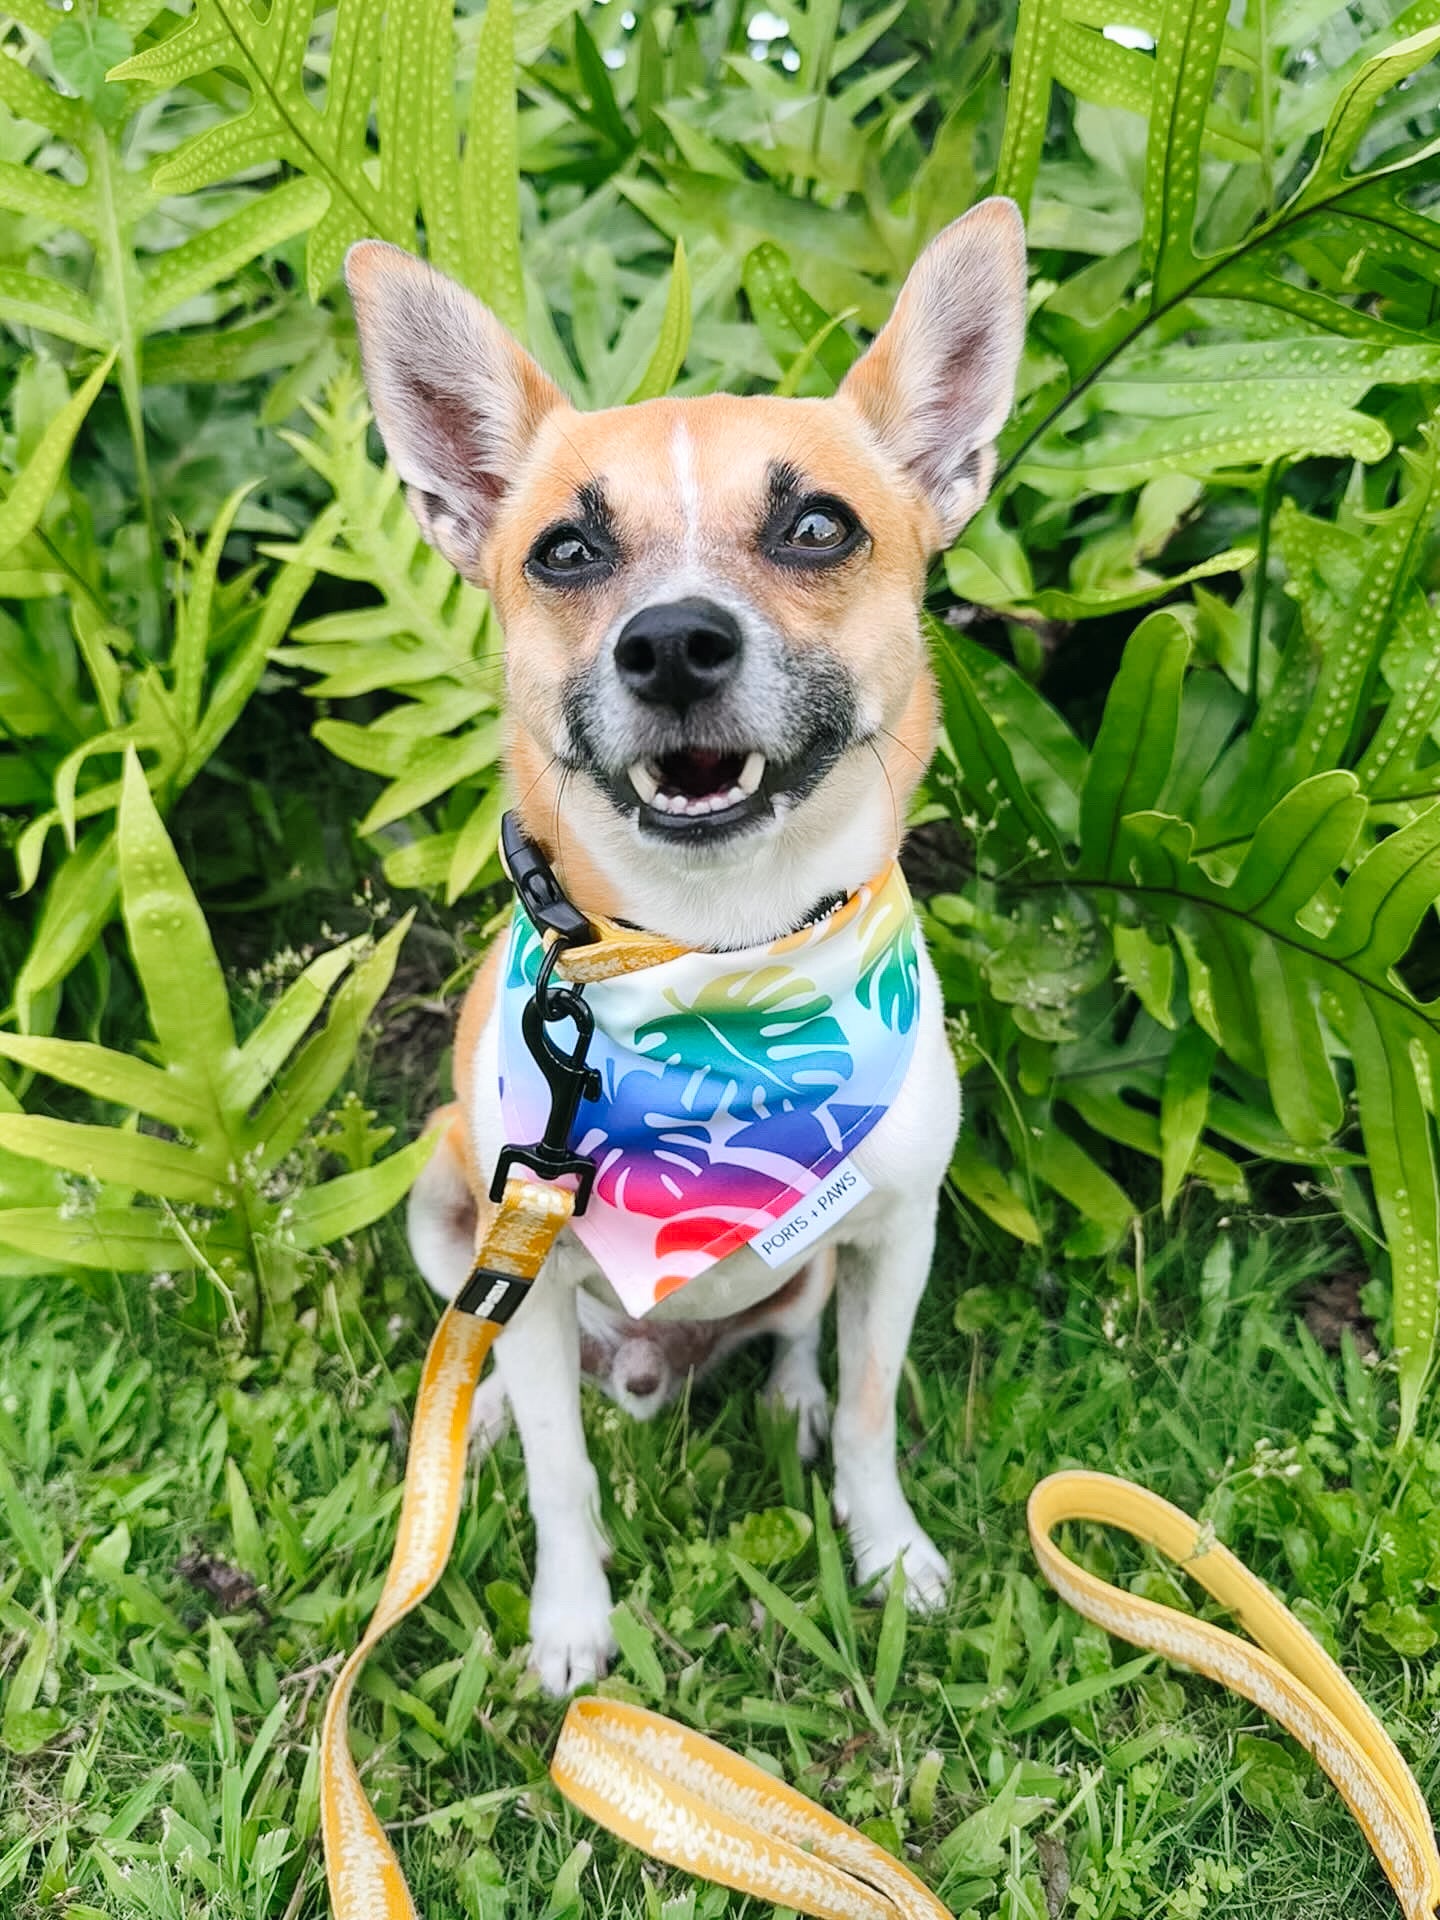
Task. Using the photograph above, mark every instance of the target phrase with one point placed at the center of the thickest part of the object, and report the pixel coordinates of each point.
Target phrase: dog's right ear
(456, 399)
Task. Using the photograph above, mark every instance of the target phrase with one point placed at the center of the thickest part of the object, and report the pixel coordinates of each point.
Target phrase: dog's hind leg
(440, 1219)
(795, 1385)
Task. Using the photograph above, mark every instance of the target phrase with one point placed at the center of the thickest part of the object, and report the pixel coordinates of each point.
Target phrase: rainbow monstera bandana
(733, 1088)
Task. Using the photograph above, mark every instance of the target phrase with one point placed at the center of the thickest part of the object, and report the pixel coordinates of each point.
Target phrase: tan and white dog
(719, 706)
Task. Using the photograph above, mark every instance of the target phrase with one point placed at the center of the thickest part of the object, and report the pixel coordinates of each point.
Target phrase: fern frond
(430, 641)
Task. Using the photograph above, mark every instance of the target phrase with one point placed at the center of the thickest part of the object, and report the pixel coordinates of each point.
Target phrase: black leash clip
(569, 1079)
(489, 1293)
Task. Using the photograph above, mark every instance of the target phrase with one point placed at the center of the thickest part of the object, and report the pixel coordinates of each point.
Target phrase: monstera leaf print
(659, 1148)
(762, 1036)
(889, 971)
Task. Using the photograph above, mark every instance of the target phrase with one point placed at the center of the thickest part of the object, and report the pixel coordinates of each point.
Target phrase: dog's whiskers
(890, 786)
(904, 745)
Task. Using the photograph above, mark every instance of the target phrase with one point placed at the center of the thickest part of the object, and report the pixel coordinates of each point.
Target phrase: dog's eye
(816, 528)
(820, 531)
(566, 553)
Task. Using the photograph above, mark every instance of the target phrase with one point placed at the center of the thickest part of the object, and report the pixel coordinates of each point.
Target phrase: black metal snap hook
(567, 1076)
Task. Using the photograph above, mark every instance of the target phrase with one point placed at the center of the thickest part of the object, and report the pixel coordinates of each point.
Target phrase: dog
(719, 706)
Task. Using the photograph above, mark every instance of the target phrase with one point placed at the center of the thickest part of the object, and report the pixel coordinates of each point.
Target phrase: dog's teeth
(751, 773)
(644, 782)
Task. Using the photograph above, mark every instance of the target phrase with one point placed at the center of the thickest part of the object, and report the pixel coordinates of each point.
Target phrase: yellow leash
(681, 1797)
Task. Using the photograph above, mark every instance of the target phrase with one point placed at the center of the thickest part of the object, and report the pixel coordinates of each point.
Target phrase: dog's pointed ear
(456, 399)
(938, 381)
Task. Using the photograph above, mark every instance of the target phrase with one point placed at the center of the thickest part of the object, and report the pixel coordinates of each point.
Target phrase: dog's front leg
(539, 1364)
(879, 1287)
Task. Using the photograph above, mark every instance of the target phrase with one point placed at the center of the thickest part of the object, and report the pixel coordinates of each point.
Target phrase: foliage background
(1179, 853)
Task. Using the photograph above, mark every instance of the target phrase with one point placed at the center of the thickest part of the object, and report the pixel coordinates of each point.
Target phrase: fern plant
(1368, 259)
(1191, 955)
(193, 1178)
(99, 281)
(1189, 992)
(428, 641)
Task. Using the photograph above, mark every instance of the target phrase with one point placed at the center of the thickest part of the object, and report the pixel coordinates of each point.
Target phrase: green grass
(161, 1752)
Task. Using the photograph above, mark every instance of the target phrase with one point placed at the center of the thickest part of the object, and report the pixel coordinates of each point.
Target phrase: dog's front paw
(878, 1545)
(570, 1639)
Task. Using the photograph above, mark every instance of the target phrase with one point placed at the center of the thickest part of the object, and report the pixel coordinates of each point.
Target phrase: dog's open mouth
(709, 793)
(696, 782)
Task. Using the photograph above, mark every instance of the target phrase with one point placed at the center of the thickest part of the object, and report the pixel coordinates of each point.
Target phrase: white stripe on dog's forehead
(687, 489)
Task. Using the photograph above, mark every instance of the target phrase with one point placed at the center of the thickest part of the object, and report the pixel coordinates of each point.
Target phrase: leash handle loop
(1288, 1674)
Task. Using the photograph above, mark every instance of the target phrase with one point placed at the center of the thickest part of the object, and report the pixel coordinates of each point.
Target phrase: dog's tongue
(698, 772)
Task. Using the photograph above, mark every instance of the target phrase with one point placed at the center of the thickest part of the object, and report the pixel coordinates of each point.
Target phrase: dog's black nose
(678, 654)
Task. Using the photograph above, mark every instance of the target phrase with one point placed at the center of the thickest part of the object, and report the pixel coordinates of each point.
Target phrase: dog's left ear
(938, 382)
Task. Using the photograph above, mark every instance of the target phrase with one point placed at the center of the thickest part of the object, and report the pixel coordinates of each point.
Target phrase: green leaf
(1027, 98)
(83, 50)
(78, 903)
(788, 1616)
(1388, 894)
(109, 1239)
(674, 341)
(244, 1527)
(323, 1214)
(1077, 1177)
(1126, 455)
(1148, 968)
(184, 988)
(30, 300)
(1297, 847)
(281, 123)
(983, 765)
(1353, 638)
(267, 1049)
(108, 1075)
(890, 1651)
(491, 176)
(790, 322)
(263, 224)
(474, 845)
(985, 1187)
(1136, 743)
(1186, 57)
(1184, 1104)
(1353, 110)
(771, 1536)
(637, 1648)
(25, 1727)
(192, 626)
(1397, 1129)
(1302, 1081)
(1094, 603)
(1048, 757)
(138, 1160)
(38, 1543)
(317, 1070)
(37, 480)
